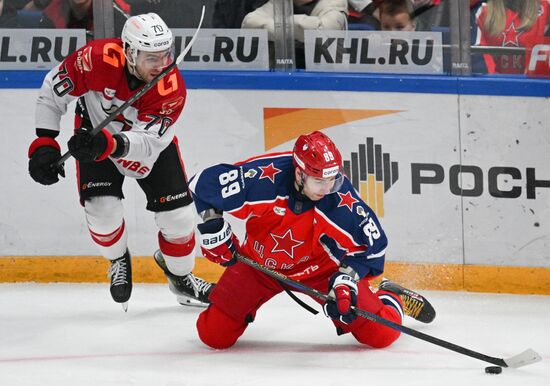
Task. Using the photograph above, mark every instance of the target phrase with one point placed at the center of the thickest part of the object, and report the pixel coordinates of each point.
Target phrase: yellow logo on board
(370, 170)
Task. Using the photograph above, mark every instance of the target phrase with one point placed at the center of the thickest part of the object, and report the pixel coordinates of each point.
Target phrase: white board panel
(422, 137)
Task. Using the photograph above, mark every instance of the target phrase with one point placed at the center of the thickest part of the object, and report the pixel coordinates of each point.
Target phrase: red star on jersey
(347, 200)
(285, 243)
(510, 37)
(269, 171)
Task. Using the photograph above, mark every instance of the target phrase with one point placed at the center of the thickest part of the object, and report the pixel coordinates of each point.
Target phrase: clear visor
(148, 61)
(323, 186)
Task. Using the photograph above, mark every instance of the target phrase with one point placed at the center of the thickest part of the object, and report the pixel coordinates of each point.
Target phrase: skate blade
(190, 302)
(124, 306)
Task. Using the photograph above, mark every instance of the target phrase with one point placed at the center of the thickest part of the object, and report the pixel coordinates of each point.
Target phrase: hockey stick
(140, 93)
(523, 359)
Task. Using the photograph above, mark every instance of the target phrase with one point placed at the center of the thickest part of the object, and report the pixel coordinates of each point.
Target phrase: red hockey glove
(343, 289)
(218, 243)
(87, 148)
(44, 152)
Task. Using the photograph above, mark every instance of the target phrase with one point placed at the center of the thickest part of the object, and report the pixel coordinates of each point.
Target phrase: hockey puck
(493, 369)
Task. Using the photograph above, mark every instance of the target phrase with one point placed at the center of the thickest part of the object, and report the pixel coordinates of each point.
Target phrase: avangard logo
(372, 173)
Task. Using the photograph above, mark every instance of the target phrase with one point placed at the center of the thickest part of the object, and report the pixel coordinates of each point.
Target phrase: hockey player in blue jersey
(305, 220)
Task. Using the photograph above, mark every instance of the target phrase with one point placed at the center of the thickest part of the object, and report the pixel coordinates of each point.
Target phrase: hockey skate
(120, 273)
(189, 289)
(415, 305)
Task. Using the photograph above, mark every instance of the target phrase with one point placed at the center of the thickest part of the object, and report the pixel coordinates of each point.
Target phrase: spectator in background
(308, 15)
(475, 3)
(361, 15)
(68, 14)
(400, 15)
(36, 5)
(75, 14)
(397, 15)
(8, 15)
(176, 13)
(9, 10)
(510, 23)
(230, 13)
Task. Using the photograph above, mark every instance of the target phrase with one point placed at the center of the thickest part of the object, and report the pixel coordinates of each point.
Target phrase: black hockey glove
(88, 148)
(343, 289)
(44, 152)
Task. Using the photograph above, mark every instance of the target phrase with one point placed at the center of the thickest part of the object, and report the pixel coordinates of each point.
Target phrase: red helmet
(317, 155)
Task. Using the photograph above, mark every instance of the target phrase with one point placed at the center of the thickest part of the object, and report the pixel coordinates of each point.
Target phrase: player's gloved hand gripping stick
(525, 358)
(344, 290)
(59, 164)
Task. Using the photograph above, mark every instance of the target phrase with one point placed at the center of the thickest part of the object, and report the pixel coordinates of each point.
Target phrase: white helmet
(147, 32)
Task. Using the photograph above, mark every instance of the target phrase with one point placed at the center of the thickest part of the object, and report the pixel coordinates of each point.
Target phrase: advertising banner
(374, 51)
(37, 49)
(223, 49)
(537, 60)
(214, 49)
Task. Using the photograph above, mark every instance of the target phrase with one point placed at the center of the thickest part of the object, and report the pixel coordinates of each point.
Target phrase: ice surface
(74, 334)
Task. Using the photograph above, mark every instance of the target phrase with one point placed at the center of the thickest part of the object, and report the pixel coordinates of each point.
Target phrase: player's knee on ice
(217, 330)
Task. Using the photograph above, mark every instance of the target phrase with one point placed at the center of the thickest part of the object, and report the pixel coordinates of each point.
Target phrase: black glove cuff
(46, 133)
(122, 146)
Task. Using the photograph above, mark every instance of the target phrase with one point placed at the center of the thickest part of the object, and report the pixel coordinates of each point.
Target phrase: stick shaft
(375, 318)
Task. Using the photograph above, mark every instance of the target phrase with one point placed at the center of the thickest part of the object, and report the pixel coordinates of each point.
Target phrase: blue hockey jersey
(287, 232)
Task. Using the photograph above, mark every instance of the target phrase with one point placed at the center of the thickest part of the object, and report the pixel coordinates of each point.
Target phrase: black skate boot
(415, 305)
(120, 273)
(189, 289)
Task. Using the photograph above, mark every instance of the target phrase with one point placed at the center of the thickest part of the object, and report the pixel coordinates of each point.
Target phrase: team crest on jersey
(109, 93)
(285, 243)
(169, 107)
(250, 173)
(361, 211)
(269, 171)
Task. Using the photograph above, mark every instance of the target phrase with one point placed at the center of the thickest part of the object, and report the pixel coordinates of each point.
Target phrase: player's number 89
(230, 186)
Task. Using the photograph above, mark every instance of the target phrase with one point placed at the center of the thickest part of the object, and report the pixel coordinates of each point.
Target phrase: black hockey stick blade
(140, 93)
(523, 359)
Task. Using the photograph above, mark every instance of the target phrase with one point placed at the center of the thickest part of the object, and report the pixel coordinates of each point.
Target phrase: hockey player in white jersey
(140, 143)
